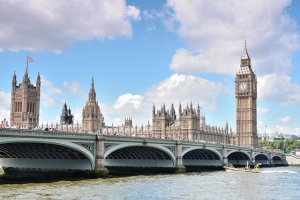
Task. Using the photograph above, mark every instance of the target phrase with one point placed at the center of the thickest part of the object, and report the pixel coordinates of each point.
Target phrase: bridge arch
(133, 155)
(239, 158)
(262, 158)
(201, 157)
(277, 160)
(60, 155)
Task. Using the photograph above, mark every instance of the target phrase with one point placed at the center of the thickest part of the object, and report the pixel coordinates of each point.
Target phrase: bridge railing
(9, 132)
(44, 134)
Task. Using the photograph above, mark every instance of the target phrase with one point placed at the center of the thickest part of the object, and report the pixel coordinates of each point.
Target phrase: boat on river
(247, 168)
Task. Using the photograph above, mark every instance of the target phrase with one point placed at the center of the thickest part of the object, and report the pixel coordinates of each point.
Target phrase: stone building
(190, 125)
(66, 116)
(161, 119)
(128, 122)
(92, 119)
(246, 108)
(25, 102)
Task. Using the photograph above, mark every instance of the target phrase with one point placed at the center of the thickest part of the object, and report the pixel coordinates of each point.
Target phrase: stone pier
(100, 170)
(179, 166)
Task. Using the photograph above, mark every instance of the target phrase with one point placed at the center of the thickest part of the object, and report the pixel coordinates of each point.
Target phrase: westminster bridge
(36, 149)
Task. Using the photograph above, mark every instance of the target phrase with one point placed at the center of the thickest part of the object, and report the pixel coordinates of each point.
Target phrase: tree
(290, 144)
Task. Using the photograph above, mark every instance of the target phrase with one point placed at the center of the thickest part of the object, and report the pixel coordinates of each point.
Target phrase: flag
(201, 108)
(29, 59)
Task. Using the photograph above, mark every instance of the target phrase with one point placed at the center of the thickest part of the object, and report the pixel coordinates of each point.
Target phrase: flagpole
(27, 64)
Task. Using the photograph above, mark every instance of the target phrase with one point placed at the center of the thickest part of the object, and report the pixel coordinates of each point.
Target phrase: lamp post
(178, 135)
(101, 124)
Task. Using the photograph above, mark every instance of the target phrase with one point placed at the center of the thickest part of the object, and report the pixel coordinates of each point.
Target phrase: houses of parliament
(187, 124)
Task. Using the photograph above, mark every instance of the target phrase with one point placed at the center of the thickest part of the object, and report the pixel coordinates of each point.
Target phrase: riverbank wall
(293, 159)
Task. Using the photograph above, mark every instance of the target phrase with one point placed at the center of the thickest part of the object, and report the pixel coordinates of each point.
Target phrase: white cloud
(277, 128)
(51, 122)
(186, 88)
(152, 14)
(184, 61)
(260, 123)
(50, 89)
(54, 25)
(133, 13)
(74, 88)
(47, 100)
(171, 90)
(126, 99)
(5, 105)
(214, 32)
(285, 119)
(151, 28)
(287, 130)
(278, 89)
(47, 91)
(77, 113)
(262, 111)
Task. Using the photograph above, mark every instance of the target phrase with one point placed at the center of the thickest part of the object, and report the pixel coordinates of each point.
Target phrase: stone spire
(153, 110)
(245, 60)
(25, 77)
(91, 115)
(92, 93)
(245, 55)
(173, 114)
(179, 109)
(14, 80)
(38, 80)
(65, 108)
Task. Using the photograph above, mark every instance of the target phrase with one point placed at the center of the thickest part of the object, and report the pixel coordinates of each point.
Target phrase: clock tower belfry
(246, 108)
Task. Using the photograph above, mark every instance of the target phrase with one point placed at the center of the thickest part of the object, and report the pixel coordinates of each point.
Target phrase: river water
(271, 183)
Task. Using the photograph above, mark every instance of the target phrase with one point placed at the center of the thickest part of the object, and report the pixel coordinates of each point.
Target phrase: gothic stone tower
(91, 115)
(246, 95)
(162, 119)
(189, 119)
(128, 122)
(25, 102)
(66, 116)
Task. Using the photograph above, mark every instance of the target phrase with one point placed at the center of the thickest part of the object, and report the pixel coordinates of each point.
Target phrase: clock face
(243, 86)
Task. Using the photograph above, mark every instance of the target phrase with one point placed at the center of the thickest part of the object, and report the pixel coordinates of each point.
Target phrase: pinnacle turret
(92, 93)
(14, 81)
(26, 79)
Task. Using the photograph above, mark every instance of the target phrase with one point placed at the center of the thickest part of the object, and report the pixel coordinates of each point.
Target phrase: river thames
(271, 183)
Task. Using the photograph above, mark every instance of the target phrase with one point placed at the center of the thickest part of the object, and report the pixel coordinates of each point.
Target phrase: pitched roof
(245, 54)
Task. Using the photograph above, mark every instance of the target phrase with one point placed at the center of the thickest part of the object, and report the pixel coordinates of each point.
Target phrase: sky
(145, 53)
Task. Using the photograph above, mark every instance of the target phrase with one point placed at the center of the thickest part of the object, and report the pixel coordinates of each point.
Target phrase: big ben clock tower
(246, 95)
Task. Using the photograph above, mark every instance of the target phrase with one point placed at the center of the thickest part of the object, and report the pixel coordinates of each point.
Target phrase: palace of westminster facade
(190, 124)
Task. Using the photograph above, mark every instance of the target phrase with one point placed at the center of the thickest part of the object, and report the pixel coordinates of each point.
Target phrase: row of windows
(19, 106)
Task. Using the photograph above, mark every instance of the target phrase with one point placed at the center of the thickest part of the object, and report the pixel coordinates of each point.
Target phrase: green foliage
(289, 144)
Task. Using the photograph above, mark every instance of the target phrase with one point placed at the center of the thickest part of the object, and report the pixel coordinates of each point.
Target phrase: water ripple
(272, 183)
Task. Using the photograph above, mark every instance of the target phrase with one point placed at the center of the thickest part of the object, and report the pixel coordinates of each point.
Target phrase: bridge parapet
(4, 132)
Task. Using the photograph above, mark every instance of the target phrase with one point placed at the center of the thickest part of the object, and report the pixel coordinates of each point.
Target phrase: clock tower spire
(246, 108)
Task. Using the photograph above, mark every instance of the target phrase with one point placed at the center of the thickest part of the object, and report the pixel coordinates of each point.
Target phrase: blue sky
(153, 52)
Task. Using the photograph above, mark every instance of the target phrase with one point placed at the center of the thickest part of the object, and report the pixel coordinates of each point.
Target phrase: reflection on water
(272, 183)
